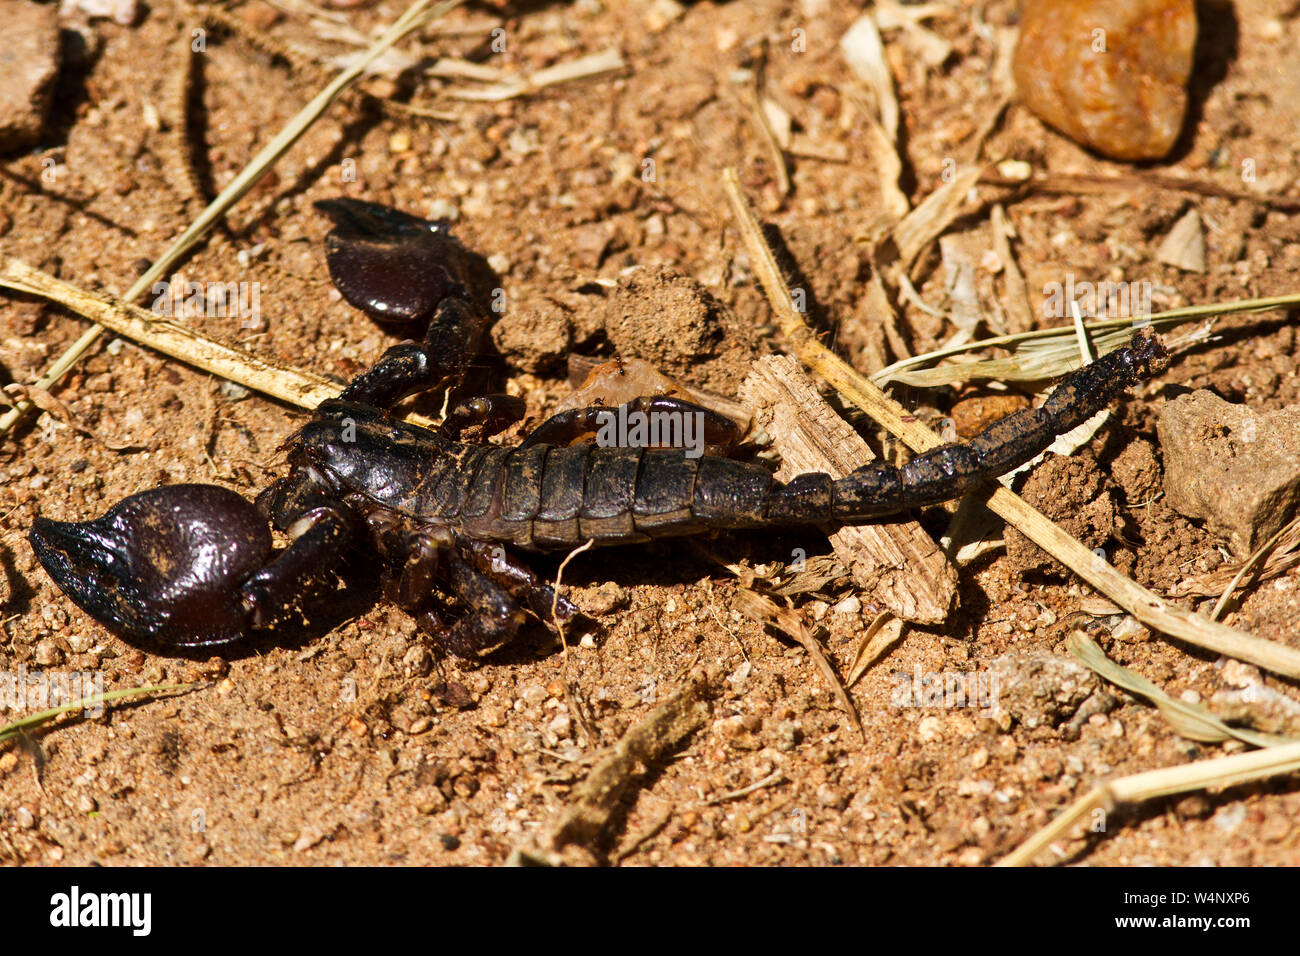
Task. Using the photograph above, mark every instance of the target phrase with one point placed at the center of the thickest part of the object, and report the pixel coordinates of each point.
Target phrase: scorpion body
(194, 565)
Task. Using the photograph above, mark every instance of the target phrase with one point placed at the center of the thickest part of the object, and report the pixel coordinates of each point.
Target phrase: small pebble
(30, 65)
(1110, 74)
(929, 729)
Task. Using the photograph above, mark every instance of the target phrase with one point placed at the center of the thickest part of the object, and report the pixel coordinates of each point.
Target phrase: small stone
(29, 63)
(417, 662)
(86, 804)
(259, 15)
(121, 12)
(443, 210)
(533, 695)
(307, 839)
(972, 415)
(1110, 74)
(1184, 247)
(929, 729)
(1236, 468)
(48, 653)
(597, 602)
(535, 335)
(419, 726)
(24, 819)
(850, 605)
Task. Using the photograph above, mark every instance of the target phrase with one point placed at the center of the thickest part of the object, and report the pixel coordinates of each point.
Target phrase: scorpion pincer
(191, 566)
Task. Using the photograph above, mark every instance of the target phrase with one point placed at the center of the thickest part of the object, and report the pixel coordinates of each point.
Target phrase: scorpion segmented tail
(879, 488)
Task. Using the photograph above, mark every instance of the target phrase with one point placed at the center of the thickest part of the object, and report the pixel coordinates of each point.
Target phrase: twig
(574, 709)
(662, 732)
(770, 780)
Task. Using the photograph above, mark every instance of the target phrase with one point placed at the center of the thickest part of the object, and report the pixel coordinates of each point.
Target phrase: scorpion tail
(163, 566)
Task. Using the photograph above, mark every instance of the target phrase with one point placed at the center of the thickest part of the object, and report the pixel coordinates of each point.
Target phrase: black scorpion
(191, 565)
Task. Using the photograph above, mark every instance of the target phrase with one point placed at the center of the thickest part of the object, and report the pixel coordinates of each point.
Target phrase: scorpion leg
(500, 565)
(491, 412)
(187, 565)
(493, 616)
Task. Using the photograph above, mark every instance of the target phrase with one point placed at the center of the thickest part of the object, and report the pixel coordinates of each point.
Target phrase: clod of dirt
(1039, 689)
(673, 322)
(1072, 492)
(1236, 468)
(29, 62)
(1110, 74)
(1137, 471)
(970, 416)
(535, 336)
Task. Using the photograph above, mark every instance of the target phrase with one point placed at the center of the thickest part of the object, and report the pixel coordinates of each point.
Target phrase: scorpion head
(163, 566)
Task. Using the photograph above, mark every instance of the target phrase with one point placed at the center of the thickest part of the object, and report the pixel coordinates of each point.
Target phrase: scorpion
(195, 566)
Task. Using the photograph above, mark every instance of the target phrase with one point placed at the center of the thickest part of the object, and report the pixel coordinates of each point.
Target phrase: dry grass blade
(765, 611)
(1287, 537)
(304, 389)
(1189, 720)
(583, 68)
(882, 634)
(1148, 607)
(927, 221)
(1153, 784)
(415, 16)
(1279, 557)
(1017, 291)
(1050, 353)
(18, 727)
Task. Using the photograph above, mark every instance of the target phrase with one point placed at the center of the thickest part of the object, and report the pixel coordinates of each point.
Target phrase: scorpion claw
(163, 566)
(387, 263)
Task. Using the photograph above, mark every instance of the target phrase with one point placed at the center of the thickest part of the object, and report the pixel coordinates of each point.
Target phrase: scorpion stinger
(193, 565)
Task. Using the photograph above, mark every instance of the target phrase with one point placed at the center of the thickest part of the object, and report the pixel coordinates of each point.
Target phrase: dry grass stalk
(765, 611)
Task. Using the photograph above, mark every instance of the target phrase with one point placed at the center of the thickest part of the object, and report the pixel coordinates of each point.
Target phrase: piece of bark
(893, 560)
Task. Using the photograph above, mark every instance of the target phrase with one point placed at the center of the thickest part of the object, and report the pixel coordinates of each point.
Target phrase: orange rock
(1110, 74)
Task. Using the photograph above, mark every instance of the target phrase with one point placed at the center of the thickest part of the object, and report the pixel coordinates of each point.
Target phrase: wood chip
(894, 561)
